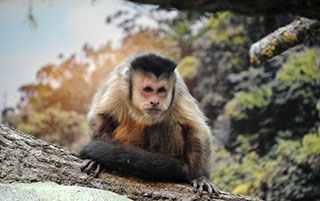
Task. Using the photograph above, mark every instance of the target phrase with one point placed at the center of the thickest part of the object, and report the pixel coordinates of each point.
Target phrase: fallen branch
(26, 159)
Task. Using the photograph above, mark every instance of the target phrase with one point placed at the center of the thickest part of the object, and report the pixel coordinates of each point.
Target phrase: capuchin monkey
(144, 123)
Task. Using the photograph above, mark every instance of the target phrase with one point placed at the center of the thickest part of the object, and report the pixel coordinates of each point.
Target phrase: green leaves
(301, 68)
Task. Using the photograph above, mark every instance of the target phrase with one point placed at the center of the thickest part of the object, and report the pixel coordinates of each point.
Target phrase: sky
(63, 27)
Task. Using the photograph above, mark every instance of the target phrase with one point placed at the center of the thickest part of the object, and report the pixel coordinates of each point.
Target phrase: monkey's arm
(198, 152)
(136, 162)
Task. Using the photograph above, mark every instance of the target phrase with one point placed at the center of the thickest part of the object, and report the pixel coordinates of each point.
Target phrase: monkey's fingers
(198, 185)
(215, 189)
(99, 169)
(88, 165)
(202, 183)
(195, 185)
(85, 164)
(211, 188)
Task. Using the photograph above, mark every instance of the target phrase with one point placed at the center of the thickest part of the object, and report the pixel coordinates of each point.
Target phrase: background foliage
(265, 119)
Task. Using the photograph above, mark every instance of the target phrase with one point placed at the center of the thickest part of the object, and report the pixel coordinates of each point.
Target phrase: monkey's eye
(162, 90)
(147, 89)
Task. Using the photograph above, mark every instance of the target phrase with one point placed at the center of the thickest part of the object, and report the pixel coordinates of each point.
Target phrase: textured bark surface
(283, 39)
(26, 159)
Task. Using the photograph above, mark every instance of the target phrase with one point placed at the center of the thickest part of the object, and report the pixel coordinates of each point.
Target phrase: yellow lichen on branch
(268, 50)
(282, 39)
(289, 37)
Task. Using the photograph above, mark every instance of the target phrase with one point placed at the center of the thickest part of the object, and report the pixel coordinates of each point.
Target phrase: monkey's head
(152, 80)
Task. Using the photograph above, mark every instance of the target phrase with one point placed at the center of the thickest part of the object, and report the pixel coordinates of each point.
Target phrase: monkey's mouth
(152, 111)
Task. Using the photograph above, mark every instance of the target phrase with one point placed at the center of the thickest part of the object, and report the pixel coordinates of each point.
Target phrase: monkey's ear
(153, 63)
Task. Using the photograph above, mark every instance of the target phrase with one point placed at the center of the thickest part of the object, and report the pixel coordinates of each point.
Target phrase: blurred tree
(295, 172)
(275, 43)
(285, 108)
(252, 109)
(183, 27)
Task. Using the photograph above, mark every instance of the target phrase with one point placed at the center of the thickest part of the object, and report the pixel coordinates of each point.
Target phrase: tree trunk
(26, 159)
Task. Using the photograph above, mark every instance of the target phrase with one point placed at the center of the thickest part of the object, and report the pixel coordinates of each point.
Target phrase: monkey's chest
(164, 138)
(129, 133)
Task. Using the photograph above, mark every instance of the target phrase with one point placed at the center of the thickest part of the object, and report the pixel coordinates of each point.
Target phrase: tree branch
(282, 39)
(24, 158)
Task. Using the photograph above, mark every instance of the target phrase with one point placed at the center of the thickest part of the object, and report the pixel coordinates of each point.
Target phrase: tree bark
(26, 159)
(282, 39)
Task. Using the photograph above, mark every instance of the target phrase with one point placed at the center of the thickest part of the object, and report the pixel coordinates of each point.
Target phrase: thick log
(26, 159)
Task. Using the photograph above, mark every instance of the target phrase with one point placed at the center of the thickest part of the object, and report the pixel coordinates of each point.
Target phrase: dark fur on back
(152, 63)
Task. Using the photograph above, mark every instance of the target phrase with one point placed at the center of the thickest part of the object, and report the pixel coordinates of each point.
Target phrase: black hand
(204, 183)
(89, 166)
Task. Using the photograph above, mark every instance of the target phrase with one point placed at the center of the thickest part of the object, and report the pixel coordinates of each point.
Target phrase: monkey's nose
(154, 103)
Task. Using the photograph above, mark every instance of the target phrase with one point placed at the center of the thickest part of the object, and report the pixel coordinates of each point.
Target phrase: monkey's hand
(90, 166)
(204, 183)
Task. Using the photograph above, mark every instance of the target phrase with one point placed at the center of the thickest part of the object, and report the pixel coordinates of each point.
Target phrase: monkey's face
(150, 95)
